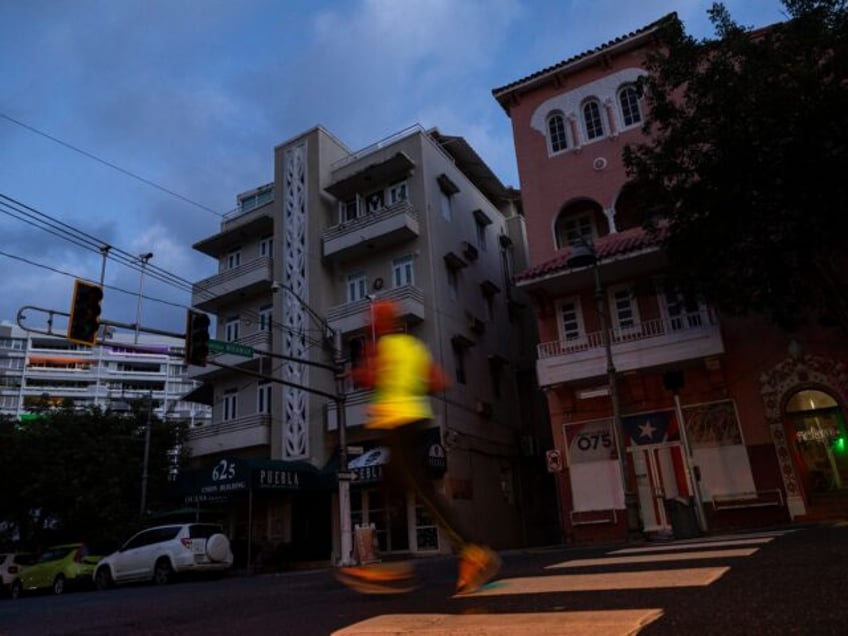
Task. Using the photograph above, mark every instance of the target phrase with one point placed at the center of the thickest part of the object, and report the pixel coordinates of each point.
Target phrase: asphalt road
(758, 583)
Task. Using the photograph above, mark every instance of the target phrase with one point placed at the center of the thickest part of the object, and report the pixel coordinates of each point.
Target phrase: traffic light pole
(50, 331)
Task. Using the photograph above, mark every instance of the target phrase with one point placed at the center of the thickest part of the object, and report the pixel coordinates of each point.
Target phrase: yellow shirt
(402, 382)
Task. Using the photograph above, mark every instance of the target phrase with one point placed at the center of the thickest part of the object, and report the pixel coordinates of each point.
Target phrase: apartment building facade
(39, 371)
(417, 218)
(761, 410)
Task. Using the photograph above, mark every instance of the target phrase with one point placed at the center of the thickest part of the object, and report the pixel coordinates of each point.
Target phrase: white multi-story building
(417, 218)
(38, 371)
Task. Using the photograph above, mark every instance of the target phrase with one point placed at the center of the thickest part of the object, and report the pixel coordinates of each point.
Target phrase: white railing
(208, 285)
(386, 141)
(363, 307)
(220, 428)
(371, 218)
(684, 324)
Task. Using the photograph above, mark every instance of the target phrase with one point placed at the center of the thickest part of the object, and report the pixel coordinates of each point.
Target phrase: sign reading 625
(224, 469)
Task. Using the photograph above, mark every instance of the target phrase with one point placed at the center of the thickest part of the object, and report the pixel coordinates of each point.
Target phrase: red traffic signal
(197, 338)
(85, 313)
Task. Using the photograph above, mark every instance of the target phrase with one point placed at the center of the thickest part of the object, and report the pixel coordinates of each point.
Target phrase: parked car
(11, 564)
(57, 568)
(159, 553)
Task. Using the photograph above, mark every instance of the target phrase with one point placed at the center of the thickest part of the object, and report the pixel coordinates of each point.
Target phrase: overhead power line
(70, 275)
(109, 164)
(28, 214)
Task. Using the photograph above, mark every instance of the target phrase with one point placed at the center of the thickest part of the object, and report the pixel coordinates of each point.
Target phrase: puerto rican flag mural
(651, 428)
(658, 434)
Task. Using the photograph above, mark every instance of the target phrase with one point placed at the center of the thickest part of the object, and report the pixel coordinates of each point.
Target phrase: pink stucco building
(762, 411)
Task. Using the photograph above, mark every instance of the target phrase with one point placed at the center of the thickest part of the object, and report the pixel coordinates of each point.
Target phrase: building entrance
(660, 476)
(816, 431)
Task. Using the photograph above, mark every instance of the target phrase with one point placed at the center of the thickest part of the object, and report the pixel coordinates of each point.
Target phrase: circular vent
(599, 163)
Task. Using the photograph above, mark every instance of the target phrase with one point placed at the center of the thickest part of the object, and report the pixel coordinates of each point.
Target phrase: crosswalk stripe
(589, 623)
(685, 546)
(655, 558)
(686, 577)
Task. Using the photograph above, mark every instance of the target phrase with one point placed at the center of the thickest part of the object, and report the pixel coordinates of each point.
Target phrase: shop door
(660, 475)
(388, 514)
(819, 441)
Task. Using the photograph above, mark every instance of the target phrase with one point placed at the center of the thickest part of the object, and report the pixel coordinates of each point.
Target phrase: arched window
(628, 100)
(556, 132)
(592, 120)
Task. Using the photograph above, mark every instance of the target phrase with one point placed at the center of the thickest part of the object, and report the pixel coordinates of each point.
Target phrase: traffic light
(85, 313)
(196, 338)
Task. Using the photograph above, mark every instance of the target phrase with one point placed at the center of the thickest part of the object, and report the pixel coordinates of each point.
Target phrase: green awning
(234, 476)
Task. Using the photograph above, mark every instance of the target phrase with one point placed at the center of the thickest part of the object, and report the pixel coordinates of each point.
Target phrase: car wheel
(59, 585)
(102, 579)
(218, 547)
(17, 589)
(162, 572)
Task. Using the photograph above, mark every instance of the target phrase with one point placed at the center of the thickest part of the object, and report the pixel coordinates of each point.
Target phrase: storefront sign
(437, 461)
(366, 474)
(817, 435)
(277, 479)
(590, 442)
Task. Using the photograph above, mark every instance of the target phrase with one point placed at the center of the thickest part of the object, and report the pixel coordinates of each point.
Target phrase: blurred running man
(403, 375)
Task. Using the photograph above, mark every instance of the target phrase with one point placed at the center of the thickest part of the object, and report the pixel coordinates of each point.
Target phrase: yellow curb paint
(687, 577)
(656, 558)
(609, 623)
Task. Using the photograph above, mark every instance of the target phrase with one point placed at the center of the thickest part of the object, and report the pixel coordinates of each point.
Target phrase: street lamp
(583, 254)
(143, 258)
(146, 462)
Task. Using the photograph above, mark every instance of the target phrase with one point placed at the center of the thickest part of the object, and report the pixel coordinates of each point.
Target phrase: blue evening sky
(193, 95)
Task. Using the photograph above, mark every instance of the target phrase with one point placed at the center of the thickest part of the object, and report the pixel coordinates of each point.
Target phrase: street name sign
(221, 346)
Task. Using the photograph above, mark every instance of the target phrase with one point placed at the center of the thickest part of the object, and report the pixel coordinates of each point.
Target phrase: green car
(56, 569)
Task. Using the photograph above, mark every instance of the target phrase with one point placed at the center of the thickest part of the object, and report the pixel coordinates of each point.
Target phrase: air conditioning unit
(484, 408)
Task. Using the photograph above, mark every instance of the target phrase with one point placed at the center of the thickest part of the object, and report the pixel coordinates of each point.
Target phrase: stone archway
(776, 386)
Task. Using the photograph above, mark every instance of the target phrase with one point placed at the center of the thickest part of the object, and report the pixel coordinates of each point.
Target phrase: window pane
(592, 119)
(629, 101)
(445, 202)
(570, 323)
(556, 131)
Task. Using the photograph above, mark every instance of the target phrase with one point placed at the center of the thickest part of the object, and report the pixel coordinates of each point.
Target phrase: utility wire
(110, 164)
(23, 212)
(68, 274)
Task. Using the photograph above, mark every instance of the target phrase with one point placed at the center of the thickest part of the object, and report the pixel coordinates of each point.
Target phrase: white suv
(159, 553)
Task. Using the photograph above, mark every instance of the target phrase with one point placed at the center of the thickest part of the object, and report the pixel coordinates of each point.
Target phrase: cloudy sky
(136, 123)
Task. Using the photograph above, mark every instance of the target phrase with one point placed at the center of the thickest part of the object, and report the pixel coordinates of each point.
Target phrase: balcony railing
(244, 432)
(233, 282)
(650, 343)
(356, 315)
(394, 223)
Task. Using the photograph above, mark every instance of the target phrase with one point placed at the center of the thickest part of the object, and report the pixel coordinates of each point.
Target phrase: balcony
(260, 341)
(238, 227)
(357, 315)
(244, 432)
(651, 343)
(389, 226)
(249, 279)
(356, 403)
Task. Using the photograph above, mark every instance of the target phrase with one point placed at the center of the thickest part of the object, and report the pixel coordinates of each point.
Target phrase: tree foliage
(746, 158)
(70, 475)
